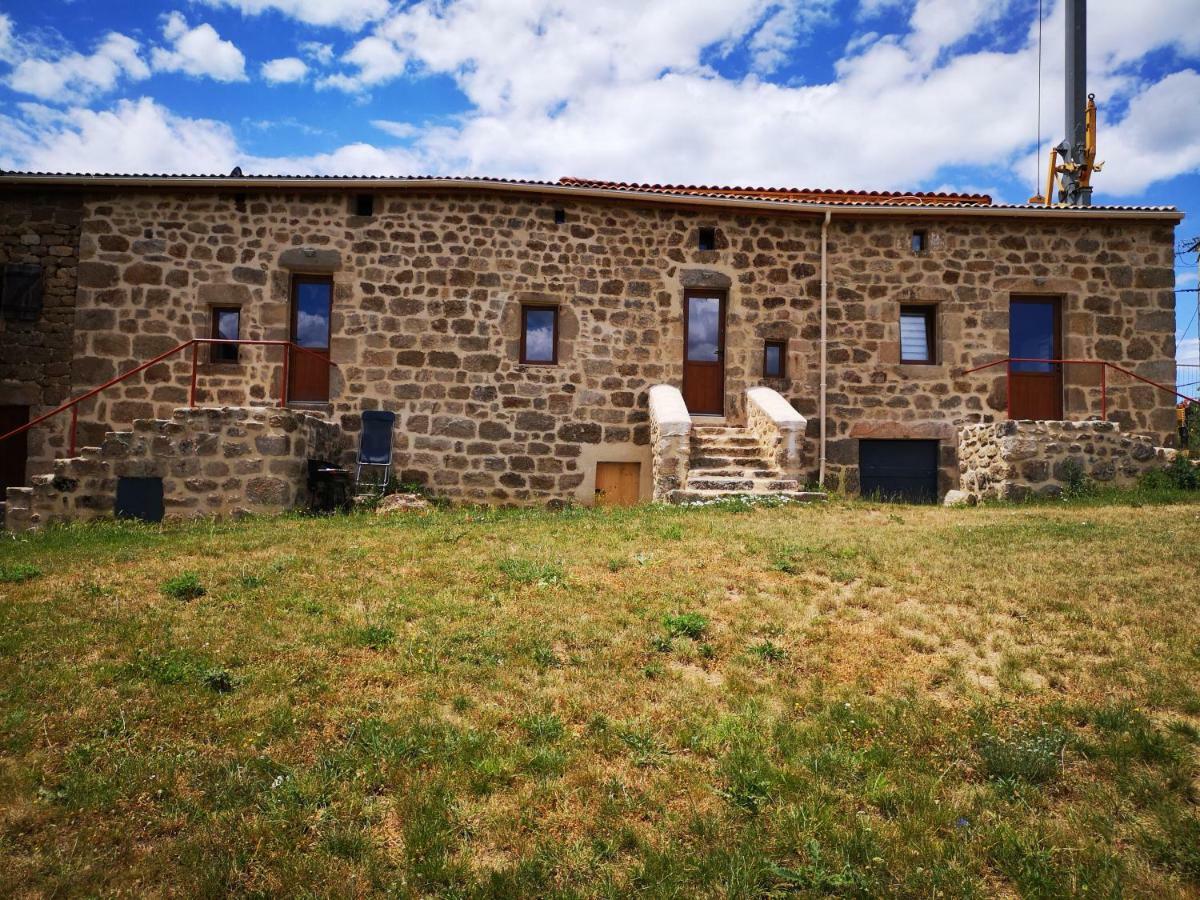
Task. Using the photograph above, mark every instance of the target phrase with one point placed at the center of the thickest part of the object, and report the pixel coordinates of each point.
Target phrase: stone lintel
(919, 431)
(307, 259)
(705, 279)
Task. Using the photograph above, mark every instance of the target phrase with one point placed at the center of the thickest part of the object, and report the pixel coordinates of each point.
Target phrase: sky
(878, 94)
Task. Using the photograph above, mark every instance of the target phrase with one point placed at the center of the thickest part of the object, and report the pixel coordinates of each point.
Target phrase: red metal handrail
(1008, 361)
(194, 343)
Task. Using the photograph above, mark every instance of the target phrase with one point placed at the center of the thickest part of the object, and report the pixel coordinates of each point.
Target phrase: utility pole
(1076, 191)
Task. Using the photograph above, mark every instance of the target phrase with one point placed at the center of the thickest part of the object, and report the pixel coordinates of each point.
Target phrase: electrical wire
(1037, 175)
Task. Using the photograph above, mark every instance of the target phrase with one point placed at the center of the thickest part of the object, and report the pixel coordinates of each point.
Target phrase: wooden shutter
(21, 295)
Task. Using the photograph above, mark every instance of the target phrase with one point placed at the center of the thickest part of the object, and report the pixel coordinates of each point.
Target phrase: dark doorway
(704, 353)
(312, 308)
(1035, 332)
(15, 450)
(899, 470)
(139, 498)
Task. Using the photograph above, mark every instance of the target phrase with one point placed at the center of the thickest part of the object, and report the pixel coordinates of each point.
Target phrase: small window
(364, 204)
(920, 241)
(775, 359)
(239, 202)
(707, 239)
(917, 343)
(560, 216)
(539, 335)
(21, 292)
(226, 325)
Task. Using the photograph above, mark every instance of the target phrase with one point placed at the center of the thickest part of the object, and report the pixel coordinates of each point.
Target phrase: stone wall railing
(778, 428)
(670, 440)
(1017, 459)
(212, 462)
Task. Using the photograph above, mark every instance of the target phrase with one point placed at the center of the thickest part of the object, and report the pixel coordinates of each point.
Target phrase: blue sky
(896, 94)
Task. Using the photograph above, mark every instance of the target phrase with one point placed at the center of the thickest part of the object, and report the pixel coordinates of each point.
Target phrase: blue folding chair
(375, 444)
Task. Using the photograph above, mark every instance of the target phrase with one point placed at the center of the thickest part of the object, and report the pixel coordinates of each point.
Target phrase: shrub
(18, 572)
(689, 625)
(1076, 483)
(1181, 475)
(186, 586)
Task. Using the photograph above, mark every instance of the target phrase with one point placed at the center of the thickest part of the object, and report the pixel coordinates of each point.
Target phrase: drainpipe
(824, 335)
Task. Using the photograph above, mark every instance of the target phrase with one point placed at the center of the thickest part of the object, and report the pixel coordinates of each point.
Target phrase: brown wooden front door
(15, 450)
(704, 353)
(618, 483)
(1035, 332)
(312, 307)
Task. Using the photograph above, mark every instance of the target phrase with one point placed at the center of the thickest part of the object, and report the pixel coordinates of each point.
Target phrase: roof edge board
(549, 188)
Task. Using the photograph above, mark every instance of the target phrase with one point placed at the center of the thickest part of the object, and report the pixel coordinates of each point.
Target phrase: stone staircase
(728, 461)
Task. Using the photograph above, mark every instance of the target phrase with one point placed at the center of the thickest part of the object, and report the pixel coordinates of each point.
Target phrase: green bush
(184, 587)
(1181, 475)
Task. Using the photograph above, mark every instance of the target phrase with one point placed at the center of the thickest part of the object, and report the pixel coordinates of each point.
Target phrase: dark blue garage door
(899, 470)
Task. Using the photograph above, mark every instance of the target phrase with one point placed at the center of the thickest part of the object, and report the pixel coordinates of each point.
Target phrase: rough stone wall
(426, 316)
(780, 431)
(670, 441)
(213, 462)
(40, 228)
(1017, 459)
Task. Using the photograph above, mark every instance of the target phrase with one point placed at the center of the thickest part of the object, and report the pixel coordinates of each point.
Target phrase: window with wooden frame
(920, 240)
(775, 359)
(539, 335)
(918, 334)
(226, 325)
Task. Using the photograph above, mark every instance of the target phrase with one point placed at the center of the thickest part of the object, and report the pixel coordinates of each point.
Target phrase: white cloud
(8, 49)
(351, 15)
(198, 51)
(1159, 134)
(401, 130)
(284, 70)
(74, 76)
(321, 54)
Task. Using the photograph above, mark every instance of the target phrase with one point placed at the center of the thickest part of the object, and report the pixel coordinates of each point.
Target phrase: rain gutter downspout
(824, 334)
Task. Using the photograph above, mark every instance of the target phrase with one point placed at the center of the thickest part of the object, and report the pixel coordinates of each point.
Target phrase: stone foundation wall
(426, 317)
(1015, 460)
(213, 462)
(42, 229)
(670, 440)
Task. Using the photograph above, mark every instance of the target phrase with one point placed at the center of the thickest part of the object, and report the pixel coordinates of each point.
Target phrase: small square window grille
(560, 216)
(707, 239)
(364, 204)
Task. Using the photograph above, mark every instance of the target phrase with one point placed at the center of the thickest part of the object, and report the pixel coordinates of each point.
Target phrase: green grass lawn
(848, 698)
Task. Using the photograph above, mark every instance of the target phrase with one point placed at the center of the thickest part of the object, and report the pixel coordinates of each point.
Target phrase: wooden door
(704, 353)
(15, 450)
(1035, 332)
(618, 483)
(312, 308)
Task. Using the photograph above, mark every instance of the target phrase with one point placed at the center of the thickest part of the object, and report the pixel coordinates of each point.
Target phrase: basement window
(539, 335)
(775, 359)
(918, 334)
(364, 204)
(21, 292)
(226, 325)
(560, 216)
(707, 239)
(920, 241)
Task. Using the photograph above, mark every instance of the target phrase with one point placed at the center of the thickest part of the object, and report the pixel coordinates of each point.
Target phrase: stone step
(741, 485)
(725, 442)
(735, 472)
(725, 461)
(691, 496)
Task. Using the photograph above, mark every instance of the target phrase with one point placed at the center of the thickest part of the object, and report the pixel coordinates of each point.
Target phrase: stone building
(516, 328)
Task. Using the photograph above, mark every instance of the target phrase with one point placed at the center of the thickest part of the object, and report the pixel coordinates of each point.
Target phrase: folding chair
(375, 444)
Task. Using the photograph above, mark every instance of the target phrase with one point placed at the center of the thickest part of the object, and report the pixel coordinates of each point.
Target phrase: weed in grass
(544, 657)
(219, 681)
(662, 643)
(18, 573)
(653, 671)
(527, 571)
(543, 728)
(1026, 754)
(375, 637)
(645, 748)
(689, 624)
(248, 581)
(768, 651)
(185, 586)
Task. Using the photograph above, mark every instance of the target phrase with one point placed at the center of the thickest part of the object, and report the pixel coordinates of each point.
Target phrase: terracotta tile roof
(795, 195)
